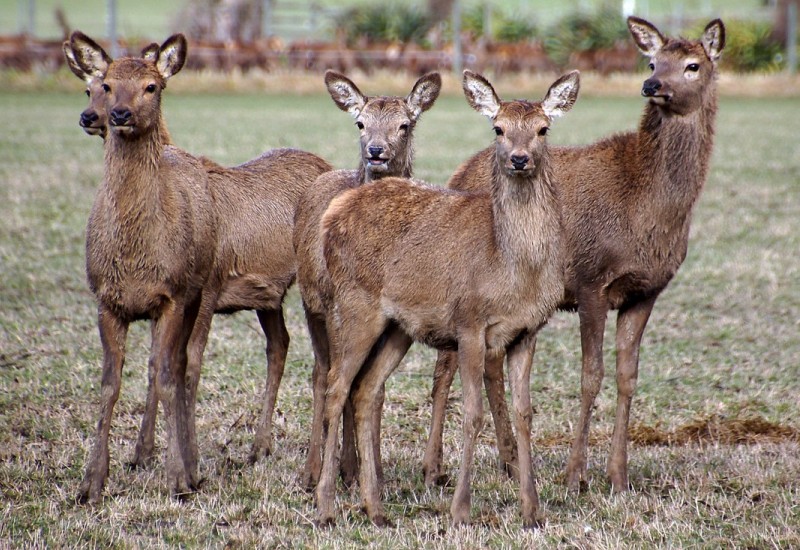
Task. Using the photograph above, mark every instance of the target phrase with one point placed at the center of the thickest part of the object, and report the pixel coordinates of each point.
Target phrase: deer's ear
(72, 63)
(150, 52)
(562, 94)
(89, 56)
(424, 94)
(714, 39)
(171, 55)
(345, 93)
(647, 37)
(480, 94)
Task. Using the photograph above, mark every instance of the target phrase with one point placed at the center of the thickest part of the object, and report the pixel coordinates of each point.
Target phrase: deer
(386, 125)
(478, 273)
(173, 239)
(93, 121)
(627, 203)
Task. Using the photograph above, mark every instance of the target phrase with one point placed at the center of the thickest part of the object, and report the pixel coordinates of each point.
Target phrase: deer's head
(386, 123)
(521, 126)
(93, 119)
(682, 69)
(131, 86)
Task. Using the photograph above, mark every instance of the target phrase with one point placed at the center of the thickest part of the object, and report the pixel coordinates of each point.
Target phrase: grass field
(720, 359)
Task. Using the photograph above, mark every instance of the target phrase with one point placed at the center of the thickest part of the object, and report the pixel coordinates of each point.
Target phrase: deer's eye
(88, 93)
(404, 128)
(151, 88)
(498, 130)
(543, 131)
(694, 67)
(652, 66)
(359, 125)
(106, 88)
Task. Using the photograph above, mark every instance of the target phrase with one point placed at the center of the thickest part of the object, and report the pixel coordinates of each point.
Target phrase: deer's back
(256, 203)
(475, 173)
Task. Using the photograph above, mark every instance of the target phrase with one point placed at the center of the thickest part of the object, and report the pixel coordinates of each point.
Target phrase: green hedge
(386, 22)
(585, 31)
(748, 43)
(748, 46)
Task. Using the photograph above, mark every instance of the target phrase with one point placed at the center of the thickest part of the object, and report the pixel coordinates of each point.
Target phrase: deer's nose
(375, 152)
(519, 161)
(88, 118)
(120, 116)
(650, 87)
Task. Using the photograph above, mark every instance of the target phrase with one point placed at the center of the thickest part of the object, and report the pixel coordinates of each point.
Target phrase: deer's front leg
(173, 330)
(145, 442)
(631, 323)
(471, 356)
(520, 359)
(496, 394)
(113, 333)
(592, 310)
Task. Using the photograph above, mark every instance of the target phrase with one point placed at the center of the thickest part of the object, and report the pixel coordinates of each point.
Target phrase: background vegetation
(720, 359)
(564, 27)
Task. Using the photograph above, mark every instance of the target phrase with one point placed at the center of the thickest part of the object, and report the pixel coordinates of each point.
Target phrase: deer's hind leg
(367, 399)
(274, 327)
(353, 331)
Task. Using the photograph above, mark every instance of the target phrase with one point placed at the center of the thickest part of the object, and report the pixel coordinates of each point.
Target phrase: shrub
(386, 22)
(748, 46)
(584, 31)
(505, 27)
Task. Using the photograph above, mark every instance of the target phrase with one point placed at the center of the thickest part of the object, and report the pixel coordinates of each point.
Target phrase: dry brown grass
(707, 430)
(716, 430)
(303, 83)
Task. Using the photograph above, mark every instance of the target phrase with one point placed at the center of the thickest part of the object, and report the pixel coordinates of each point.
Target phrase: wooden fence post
(791, 37)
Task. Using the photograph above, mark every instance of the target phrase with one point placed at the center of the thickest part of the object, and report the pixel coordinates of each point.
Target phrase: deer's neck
(527, 218)
(132, 172)
(677, 150)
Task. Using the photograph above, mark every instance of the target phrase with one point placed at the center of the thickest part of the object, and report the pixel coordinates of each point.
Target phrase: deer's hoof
(382, 521)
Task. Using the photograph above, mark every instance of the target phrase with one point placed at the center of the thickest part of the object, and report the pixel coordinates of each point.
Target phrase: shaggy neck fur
(679, 148)
(527, 216)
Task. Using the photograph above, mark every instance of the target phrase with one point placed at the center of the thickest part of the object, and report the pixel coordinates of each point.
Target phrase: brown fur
(476, 272)
(627, 203)
(173, 238)
(387, 123)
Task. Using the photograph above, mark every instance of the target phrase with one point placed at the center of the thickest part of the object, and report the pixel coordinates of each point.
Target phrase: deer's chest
(133, 268)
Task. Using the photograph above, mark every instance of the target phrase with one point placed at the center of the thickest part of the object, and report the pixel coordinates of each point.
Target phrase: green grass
(723, 342)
